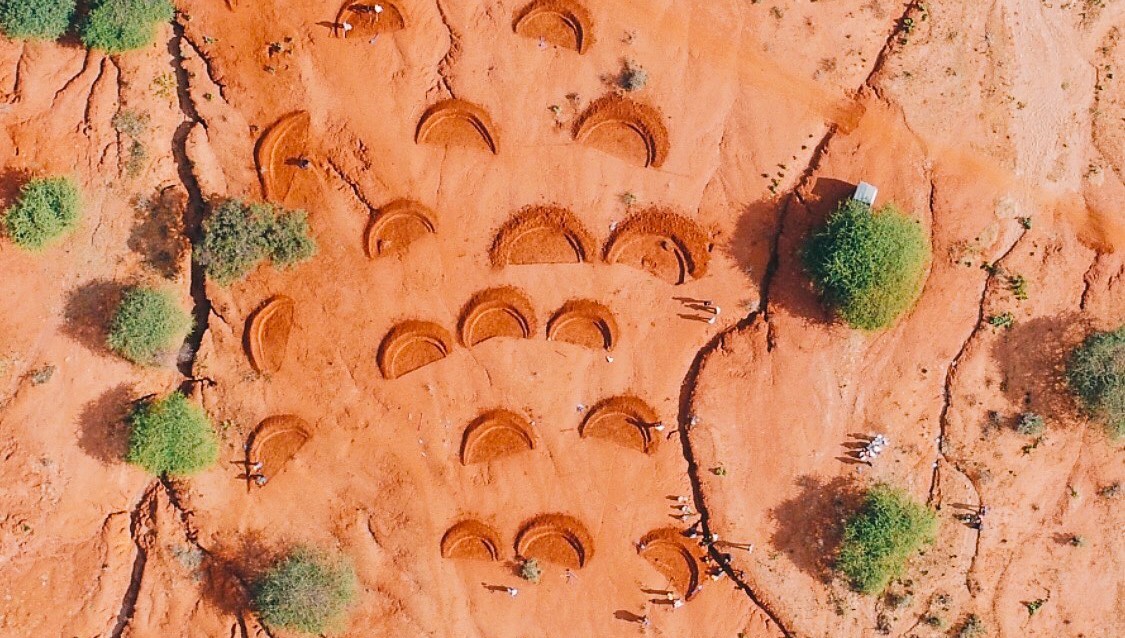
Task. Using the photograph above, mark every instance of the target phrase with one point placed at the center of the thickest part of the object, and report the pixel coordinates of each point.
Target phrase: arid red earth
(471, 366)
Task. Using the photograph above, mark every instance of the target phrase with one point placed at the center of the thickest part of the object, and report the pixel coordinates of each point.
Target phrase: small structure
(865, 193)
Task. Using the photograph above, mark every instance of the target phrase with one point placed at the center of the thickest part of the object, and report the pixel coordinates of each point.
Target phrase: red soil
(673, 556)
(366, 22)
(496, 312)
(411, 345)
(563, 23)
(624, 420)
(471, 540)
(267, 334)
(669, 246)
(274, 442)
(276, 155)
(397, 225)
(457, 123)
(981, 121)
(495, 434)
(542, 235)
(556, 538)
(585, 323)
(630, 130)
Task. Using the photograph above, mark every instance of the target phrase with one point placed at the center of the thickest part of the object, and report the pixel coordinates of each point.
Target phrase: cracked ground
(997, 125)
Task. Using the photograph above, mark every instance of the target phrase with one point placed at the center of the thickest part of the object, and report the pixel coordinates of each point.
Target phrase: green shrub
(530, 570)
(1030, 424)
(237, 236)
(879, 538)
(868, 266)
(307, 591)
(35, 19)
(116, 26)
(172, 435)
(148, 324)
(632, 77)
(1096, 372)
(973, 627)
(46, 209)
(132, 123)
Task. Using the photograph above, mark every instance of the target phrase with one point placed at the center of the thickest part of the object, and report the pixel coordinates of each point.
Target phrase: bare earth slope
(998, 125)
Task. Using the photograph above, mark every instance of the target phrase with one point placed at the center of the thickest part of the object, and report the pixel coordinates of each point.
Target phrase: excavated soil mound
(397, 225)
(276, 440)
(624, 420)
(471, 540)
(556, 538)
(366, 21)
(667, 550)
(563, 23)
(584, 322)
(411, 345)
(457, 123)
(496, 312)
(267, 334)
(496, 434)
(630, 130)
(542, 235)
(277, 152)
(670, 246)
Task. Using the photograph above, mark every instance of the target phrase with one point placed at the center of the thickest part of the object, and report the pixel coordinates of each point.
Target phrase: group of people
(873, 449)
(377, 9)
(974, 519)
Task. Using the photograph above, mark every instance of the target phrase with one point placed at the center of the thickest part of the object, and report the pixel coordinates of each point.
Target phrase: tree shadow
(89, 312)
(1032, 358)
(11, 181)
(235, 569)
(809, 527)
(102, 433)
(158, 235)
(751, 242)
(791, 287)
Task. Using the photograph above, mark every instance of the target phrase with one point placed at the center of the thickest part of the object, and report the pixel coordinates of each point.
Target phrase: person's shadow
(627, 616)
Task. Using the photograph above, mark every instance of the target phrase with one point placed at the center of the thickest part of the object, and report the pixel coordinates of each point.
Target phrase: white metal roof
(865, 193)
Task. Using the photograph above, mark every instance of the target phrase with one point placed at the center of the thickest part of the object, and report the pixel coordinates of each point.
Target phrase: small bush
(973, 627)
(530, 570)
(879, 538)
(1003, 320)
(116, 26)
(632, 77)
(1096, 372)
(46, 209)
(132, 123)
(307, 591)
(148, 324)
(237, 236)
(868, 265)
(1030, 424)
(172, 436)
(35, 19)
